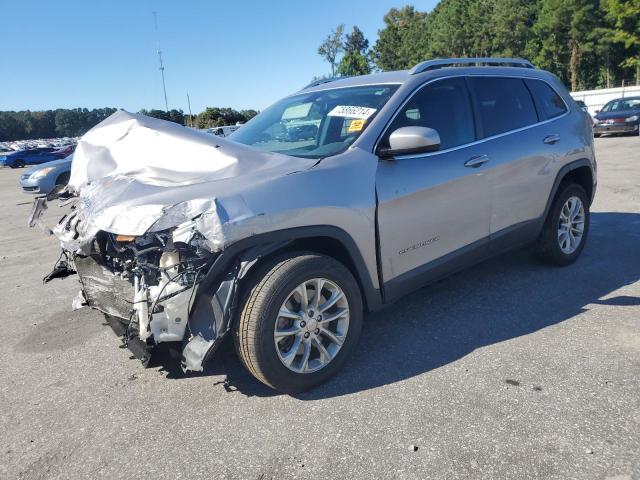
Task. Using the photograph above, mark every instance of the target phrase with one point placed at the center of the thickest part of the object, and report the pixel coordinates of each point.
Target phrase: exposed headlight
(43, 172)
(632, 118)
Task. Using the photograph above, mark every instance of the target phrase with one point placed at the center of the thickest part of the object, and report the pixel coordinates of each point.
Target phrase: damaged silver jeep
(335, 200)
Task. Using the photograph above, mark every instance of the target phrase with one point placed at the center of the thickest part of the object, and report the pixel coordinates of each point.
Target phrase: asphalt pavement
(511, 369)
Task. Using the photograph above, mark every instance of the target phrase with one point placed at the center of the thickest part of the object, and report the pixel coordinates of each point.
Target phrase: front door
(434, 209)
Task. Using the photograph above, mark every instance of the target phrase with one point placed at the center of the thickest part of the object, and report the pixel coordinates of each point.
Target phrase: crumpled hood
(134, 172)
(157, 152)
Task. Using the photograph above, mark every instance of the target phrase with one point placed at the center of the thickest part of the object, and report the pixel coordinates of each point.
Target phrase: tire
(552, 246)
(63, 179)
(271, 288)
(597, 135)
(18, 164)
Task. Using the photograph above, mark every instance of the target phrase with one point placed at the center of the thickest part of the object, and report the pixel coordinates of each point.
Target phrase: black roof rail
(320, 81)
(472, 62)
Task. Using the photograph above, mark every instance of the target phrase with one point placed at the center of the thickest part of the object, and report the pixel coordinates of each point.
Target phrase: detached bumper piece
(140, 349)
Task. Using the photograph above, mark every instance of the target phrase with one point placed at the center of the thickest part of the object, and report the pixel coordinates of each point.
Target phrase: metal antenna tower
(164, 87)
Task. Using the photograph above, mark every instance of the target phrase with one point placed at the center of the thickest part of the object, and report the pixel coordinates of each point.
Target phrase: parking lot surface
(511, 369)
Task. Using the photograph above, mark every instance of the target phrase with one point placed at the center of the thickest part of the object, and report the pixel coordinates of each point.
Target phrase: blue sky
(241, 54)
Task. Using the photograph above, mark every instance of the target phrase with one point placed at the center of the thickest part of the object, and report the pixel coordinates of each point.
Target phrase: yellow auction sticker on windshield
(355, 125)
(351, 111)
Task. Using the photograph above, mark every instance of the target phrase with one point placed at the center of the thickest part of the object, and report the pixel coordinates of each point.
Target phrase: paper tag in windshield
(356, 125)
(350, 111)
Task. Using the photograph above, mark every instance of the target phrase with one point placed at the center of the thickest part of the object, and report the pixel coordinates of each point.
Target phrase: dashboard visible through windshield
(317, 124)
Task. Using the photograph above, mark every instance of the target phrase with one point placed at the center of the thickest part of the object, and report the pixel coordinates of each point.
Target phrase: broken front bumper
(104, 291)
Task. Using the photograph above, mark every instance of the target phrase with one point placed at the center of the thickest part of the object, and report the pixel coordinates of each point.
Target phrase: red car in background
(64, 152)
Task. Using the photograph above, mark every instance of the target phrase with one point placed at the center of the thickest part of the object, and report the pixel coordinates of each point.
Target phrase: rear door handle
(476, 161)
(551, 139)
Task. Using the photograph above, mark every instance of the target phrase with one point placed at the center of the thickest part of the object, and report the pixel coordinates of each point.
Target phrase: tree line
(587, 43)
(74, 122)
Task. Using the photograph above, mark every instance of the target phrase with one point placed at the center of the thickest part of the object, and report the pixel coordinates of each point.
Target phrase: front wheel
(300, 319)
(18, 164)
(566, 228)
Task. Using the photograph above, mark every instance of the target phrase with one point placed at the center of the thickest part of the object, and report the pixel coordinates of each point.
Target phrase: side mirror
(597, 111)
(411, 140)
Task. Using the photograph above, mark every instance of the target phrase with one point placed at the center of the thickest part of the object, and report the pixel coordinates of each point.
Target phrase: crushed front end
(153, 208)
(146, 283)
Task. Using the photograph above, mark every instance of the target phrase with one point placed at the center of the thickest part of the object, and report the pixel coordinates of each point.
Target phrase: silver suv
(336, 200)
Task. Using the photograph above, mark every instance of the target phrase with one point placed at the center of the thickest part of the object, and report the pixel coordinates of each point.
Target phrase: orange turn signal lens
(125, 238)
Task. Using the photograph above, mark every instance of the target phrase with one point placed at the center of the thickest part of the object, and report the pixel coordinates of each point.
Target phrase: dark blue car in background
(34, 156)
(621, 115)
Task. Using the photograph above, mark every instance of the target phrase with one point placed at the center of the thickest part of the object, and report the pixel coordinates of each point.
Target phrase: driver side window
(443, 105)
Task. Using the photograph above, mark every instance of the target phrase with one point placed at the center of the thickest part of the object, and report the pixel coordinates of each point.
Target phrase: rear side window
(443, 105)
(547, 100)
(503, 104)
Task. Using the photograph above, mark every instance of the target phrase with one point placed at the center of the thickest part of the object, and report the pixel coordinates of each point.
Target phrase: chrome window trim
(475, 142)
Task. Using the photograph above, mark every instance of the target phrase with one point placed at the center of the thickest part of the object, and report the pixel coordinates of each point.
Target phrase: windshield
(621, 105)
(317, 124)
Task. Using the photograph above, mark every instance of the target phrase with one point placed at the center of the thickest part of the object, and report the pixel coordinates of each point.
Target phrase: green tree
(356, 56)
(218, 117)
(625, 30)
(68, 123)
(248, 114)
(563, 37)
(176, 116)
(353, 63)
(403, 41)
(511, 24)
(331, 47)
(449, 29)
(355, 42)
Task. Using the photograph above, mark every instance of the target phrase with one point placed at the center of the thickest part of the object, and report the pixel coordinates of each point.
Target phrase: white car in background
(223, 131)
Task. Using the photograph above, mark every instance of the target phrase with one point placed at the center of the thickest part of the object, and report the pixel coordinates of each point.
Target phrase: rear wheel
(300, 319)
(18, 164)
(567, 226)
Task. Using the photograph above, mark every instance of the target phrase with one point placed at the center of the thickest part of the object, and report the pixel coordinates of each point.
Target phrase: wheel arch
(578, 171)
(217, 294)
(63, 175)
(323, 239)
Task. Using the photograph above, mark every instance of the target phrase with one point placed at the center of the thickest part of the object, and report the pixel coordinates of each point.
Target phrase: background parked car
(224, 131)
(23, 157)
(64, 152)
(45, 177)
(621, 115)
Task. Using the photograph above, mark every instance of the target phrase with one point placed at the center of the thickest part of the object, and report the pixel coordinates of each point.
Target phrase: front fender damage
(152, 210)
(161, 287)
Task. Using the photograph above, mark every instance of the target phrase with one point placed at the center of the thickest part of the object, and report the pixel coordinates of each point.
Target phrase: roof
(435, 67)
(397, 77)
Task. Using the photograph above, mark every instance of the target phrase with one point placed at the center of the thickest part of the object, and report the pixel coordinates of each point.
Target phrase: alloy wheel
(571, 225)
(312, 325)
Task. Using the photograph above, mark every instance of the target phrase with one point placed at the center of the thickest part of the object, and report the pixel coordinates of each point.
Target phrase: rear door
(522, 151)
(433, 208)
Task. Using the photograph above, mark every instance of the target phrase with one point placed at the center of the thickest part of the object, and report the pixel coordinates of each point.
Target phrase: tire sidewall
(271, 366)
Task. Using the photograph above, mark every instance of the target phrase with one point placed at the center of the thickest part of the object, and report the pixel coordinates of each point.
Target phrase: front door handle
(551, 139)
(476, 161)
